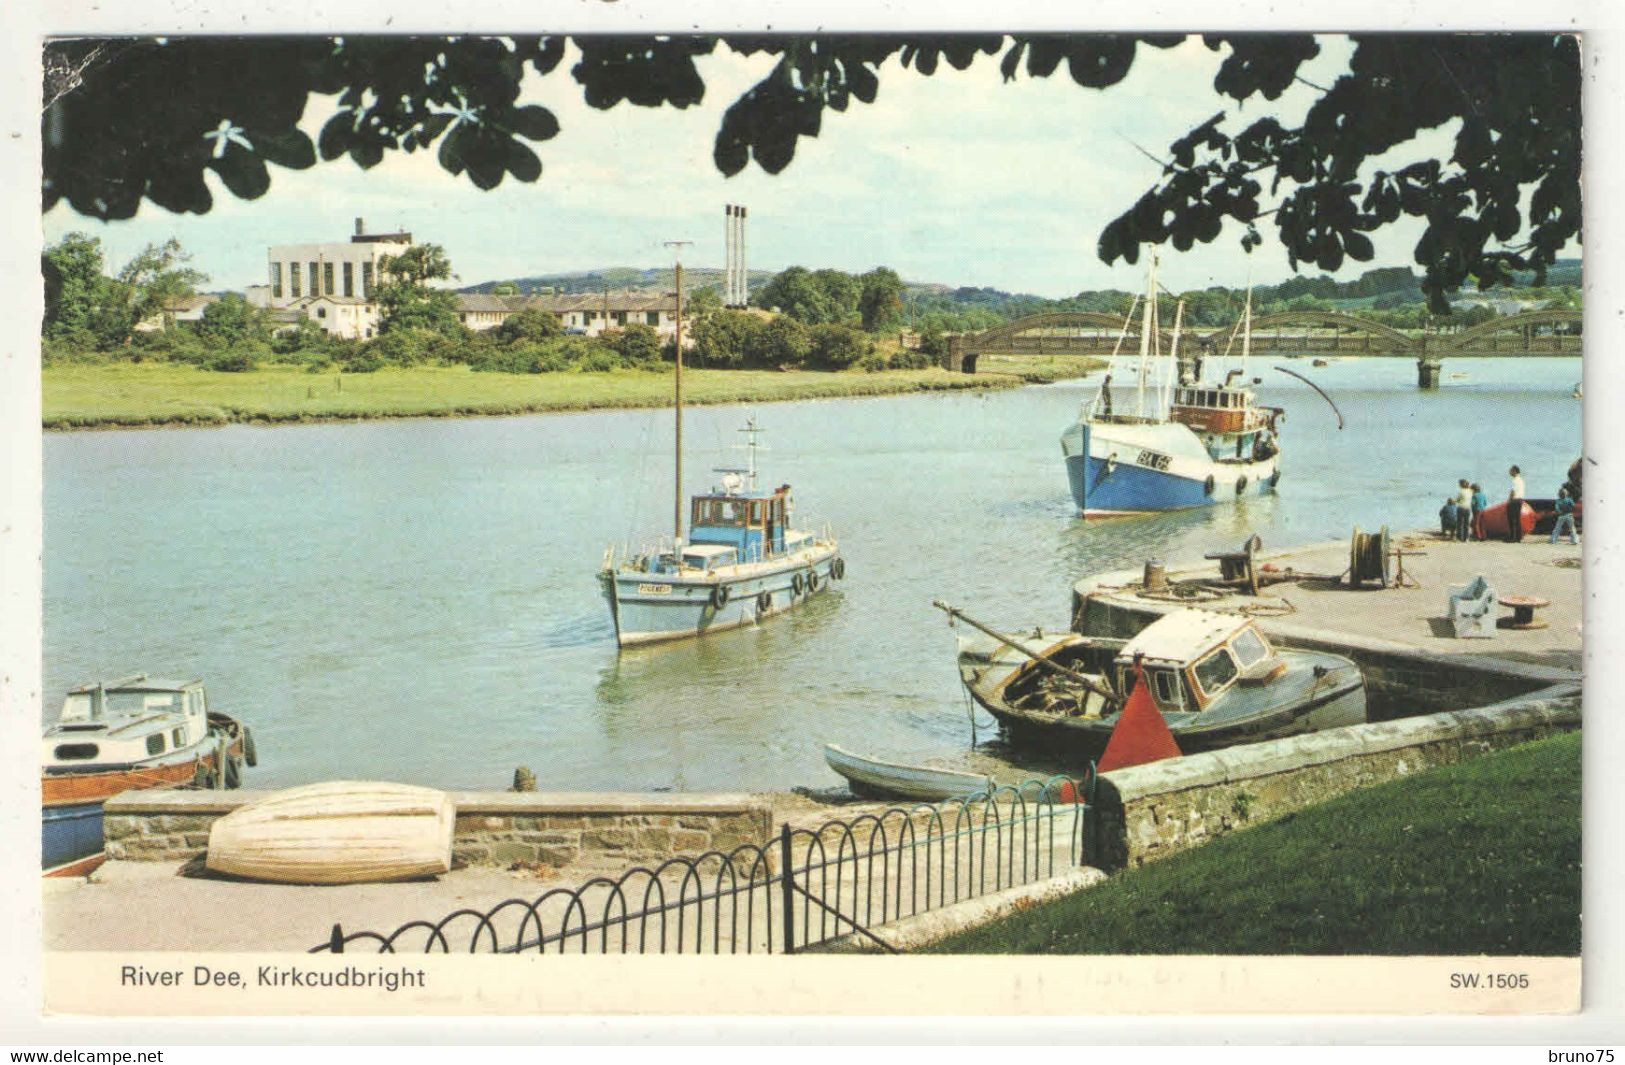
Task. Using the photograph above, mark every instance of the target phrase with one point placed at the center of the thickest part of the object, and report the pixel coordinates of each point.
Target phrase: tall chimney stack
(360, 227)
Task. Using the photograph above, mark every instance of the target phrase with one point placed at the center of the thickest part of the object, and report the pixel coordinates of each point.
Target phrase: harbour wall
(498, 828)
(1151, 811)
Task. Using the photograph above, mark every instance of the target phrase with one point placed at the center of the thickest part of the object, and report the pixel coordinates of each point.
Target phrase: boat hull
(71, 838)
(1154, 468)
(873, 777)
(654, 608)
(340, 832)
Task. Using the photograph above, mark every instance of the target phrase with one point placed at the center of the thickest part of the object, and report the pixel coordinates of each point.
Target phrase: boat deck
(1413, 616)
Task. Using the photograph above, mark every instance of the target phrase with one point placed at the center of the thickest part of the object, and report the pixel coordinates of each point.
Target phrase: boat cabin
(1193, 657)
(753, 526)
(128, 720)
(1214, 409)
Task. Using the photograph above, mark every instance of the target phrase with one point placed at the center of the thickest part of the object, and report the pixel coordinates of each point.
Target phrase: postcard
(923, 519)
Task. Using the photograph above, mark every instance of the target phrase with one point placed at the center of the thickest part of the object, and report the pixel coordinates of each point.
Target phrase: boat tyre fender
(1241, 484)
(719, 596)
(764, 602)
(234, 772)
(1208, 487)
(1275, 478)
(796, 584)
(249, 754)
(837, 569)
(812, 581)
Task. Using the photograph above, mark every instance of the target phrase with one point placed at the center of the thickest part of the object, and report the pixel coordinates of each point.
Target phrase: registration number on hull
(654, 589)
(1152, 460)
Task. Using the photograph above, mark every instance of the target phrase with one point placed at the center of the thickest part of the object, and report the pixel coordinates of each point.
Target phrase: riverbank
(150, 395)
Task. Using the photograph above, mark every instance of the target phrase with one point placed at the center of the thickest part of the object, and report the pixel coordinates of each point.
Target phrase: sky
(958, 178)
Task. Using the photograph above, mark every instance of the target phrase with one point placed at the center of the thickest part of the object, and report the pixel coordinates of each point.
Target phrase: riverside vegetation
(1481, 857)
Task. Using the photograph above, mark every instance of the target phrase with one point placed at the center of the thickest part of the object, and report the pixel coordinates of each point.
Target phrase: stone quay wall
(497, 828)
(1151, 811)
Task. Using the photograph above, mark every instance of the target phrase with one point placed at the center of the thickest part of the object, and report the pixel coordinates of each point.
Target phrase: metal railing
(805, 888)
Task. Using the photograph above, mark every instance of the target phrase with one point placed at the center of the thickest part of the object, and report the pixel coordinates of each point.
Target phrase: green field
(1481, 857)
(138, 394)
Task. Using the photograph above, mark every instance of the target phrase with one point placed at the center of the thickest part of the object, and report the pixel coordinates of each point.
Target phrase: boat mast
(677, 484)
(1147, 324)
(1246, 332)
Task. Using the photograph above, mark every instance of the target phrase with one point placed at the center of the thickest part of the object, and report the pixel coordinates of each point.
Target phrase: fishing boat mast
(677, 484)
(1147, 325)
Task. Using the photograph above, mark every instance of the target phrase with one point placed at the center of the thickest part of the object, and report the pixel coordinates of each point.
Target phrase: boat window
(177, 737)
(1167, 689)
(76, 707)
(756, 512)
(1249, 648)
(77, 752)
(155, 743)
(1215, 671)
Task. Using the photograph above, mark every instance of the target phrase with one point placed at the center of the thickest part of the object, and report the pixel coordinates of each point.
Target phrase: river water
(416, 600)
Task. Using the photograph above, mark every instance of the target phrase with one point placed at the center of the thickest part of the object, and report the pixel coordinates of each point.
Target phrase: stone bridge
(1092, 333)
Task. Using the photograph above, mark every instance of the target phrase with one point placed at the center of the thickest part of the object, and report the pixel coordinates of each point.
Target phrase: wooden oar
(1048, 663)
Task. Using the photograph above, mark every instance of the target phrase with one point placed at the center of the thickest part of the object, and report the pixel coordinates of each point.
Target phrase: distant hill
(619, 279)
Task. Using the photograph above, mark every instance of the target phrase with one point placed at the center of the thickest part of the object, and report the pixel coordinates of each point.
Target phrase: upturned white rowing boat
(341, 832)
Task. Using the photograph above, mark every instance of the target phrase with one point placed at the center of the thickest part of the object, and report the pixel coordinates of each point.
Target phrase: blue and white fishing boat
(1180, 442)
(740, 563)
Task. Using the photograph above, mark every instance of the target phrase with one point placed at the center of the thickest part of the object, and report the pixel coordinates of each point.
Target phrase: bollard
(523, 779)
(1156, 577)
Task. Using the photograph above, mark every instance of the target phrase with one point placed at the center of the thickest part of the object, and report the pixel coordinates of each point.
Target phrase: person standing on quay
(1565, 517)
(1515, 506)
(1464, 508)
(1480, 501)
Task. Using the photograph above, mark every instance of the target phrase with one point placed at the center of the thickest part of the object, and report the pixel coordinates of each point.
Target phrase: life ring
(1241, 484)
(764, 602)
(719, 596)
(1208, 486)
(249, 754)
(796, 584)
(812, 581)
(837, 569)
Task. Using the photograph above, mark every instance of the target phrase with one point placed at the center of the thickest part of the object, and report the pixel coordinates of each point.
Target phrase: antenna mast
(677, 247)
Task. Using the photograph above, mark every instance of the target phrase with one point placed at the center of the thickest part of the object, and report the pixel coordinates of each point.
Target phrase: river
(416, 600)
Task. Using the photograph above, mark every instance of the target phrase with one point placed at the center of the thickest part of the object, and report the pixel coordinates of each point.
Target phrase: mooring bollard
(523, 779)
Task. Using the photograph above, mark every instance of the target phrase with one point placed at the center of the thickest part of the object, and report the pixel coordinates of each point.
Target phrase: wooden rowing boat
(871, 776)
(341, 832)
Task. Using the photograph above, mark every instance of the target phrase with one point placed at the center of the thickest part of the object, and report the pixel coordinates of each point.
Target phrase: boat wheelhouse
(131, 733)
(1216, 679)
(1187, 443)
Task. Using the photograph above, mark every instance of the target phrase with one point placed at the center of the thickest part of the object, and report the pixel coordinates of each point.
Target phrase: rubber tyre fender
(796, 584)
(250, 755)
(1275, 478)
(234, 773)
(1208, 487)
(813, 581)
(1241, 484)
(837, 569)
(764, 602)
(720, 596)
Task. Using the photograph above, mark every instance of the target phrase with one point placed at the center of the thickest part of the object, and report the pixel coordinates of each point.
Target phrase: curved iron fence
(807, 887)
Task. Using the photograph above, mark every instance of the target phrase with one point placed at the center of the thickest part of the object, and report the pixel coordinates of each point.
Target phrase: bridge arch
(991, 339)
(1396, 340)
(1478, 334)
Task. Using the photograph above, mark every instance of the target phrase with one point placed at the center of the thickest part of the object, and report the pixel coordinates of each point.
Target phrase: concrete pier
(1411, 616)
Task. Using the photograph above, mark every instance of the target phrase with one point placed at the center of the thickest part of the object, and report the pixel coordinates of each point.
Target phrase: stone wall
(1151, 811)
(553, 829)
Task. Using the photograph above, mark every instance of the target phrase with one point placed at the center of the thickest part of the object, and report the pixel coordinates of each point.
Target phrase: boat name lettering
(1154, 459)
(654, 589)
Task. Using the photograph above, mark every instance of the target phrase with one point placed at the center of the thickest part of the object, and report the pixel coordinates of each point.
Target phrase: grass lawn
(1481, 857)
(1040, 369)
(132, 394)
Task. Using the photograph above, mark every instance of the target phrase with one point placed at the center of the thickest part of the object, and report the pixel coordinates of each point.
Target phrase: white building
(332, 283)
(588, 313)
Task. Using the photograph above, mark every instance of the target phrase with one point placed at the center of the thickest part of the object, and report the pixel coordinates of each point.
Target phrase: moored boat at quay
(1214, 677)
(132, 733)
